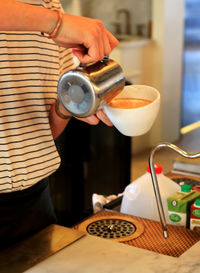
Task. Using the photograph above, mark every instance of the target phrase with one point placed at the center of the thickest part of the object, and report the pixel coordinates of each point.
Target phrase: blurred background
(191, 64)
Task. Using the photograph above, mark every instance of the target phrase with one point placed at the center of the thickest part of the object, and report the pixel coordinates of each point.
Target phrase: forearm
(74, 31)
(58, 123)
(18, 16)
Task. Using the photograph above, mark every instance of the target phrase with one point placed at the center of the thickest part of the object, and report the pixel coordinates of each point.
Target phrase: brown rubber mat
(179, 240)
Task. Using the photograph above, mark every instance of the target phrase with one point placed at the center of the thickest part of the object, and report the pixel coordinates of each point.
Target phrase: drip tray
(139, 232)
(116, 227)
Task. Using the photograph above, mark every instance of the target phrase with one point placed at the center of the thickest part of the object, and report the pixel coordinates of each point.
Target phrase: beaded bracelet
(57, 27)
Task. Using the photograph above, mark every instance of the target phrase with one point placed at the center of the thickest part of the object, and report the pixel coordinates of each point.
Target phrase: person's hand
(88, 36)
(96, 118)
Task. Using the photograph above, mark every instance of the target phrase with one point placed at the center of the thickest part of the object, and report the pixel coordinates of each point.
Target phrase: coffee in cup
(128, 103)
(134, 110)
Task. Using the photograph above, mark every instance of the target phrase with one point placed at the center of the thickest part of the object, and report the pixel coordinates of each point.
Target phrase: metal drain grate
(184, 180)
(111, 228)
(119, 228)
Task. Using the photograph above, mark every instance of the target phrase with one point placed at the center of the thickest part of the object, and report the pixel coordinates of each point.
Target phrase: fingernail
(76, 61)
(74, 50)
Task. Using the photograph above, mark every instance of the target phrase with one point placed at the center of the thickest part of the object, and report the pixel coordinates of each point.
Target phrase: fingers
(112, 40)
(103, 117)
(95, 119)
(92, 120)
(78, 31)
(99, 43)
(107, 47)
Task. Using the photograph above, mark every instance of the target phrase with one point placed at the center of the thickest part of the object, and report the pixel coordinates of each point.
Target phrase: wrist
(54, 24)
(60, 111)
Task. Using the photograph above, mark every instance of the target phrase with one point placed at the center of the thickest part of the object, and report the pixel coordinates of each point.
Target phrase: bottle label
(196, 212)
(175, 217)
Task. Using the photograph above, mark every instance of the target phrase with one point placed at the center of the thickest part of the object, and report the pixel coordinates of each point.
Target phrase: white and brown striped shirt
(30, 66)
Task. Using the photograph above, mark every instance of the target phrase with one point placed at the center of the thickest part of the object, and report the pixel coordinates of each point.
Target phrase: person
(36, 42)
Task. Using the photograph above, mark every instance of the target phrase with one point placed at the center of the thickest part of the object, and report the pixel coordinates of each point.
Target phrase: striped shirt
(30, 66)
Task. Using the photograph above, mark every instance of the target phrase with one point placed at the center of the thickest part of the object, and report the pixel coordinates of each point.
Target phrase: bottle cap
(185, 188)
(197, 202)
(158, 168)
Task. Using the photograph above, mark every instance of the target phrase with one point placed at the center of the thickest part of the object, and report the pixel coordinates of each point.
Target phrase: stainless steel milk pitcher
(89, 87)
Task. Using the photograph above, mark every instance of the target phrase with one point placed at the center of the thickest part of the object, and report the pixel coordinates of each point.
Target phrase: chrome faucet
(127, 16)
(155, 181)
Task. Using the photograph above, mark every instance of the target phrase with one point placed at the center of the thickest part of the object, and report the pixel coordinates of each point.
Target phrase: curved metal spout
(155, 181)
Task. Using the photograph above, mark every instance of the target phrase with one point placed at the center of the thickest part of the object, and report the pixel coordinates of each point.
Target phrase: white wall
(173, 41)
(162, 69)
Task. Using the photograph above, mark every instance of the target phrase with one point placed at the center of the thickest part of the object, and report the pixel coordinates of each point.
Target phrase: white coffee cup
(135, 121)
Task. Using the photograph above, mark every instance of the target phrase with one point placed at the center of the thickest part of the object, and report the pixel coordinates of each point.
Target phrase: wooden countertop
(25, 254)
